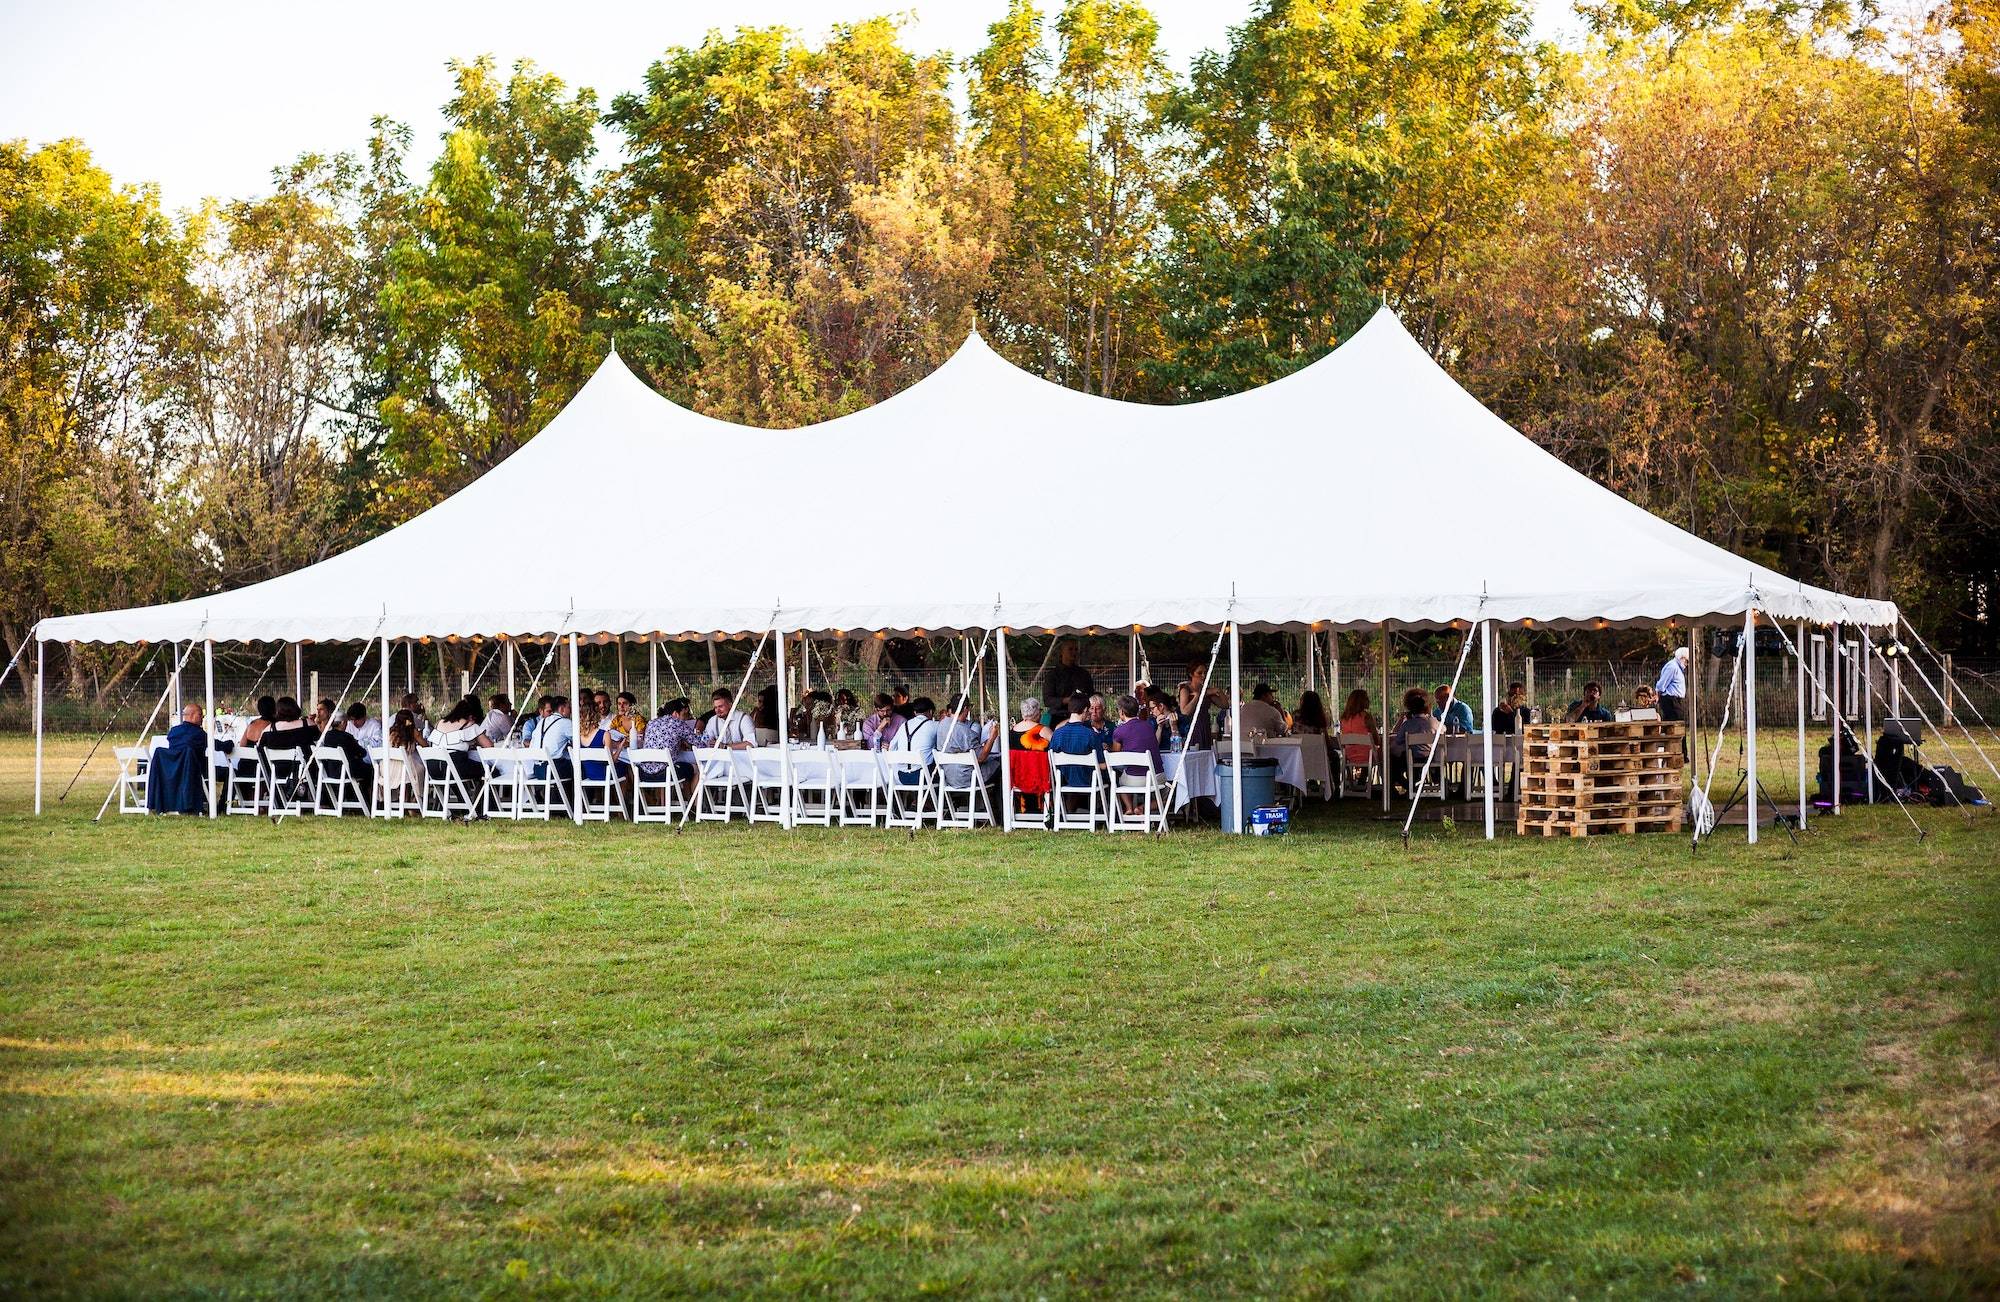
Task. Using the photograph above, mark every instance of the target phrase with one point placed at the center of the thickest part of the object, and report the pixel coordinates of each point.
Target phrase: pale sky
(205, 97)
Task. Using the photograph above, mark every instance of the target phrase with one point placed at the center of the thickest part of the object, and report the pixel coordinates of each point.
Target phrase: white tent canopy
(933, 511)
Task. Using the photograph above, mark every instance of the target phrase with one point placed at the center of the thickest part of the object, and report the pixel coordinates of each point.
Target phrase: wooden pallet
(1585, 779)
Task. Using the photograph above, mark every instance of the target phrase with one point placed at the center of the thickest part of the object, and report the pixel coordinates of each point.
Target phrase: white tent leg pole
(652, 675)
(621, 662)
(40, 671)
(1006, 736)
(1694, 704)
(576, 712)
(784, 733)
(1131, 659)
(1799, 672)
(1333, 674)
(176, 646)
(1868, 707)
(1312, 656)
(1750, 714)
(381, 803)
(1838, 664)
(507, 655)
(208, 720)
(1382, 717)
(1486, 714)
(410, 665)
(1235, 727)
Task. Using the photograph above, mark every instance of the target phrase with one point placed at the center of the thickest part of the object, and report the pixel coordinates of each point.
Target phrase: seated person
(175, 775)
(1357, 720)
(461, 734)
(544, 706)
(1455, 715)
(1028, 758)
(728, 727)
(917, 735)
(1591, 708)
(1645, 698)
(360, 764)
(624, 728)
(1260, 715)
(1508, 716)
(959, 735)
(557, 737)
(366, 731)
(267, 714)
(1166, 719)
(1135, 734)
(1410, 741)
(673, 731)
(847, 714)
(1100, 722)
(880, 721)
(499, 718)
(284, 745)
(1310, 719)
(1075, 737)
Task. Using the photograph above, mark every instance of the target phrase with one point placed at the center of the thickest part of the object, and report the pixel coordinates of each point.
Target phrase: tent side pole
(208, 720)
(621, 662)
(40, 673)
(507, 664)
(1312, 656)
(381, 804)
(784, 722)
(1382, 719)
(1868, 707)
(1333, 676)
(576, 713)
(1694, 704)
(652, 675)
(1838, 664)
(1800, 674)
(1749, 659)
(1006, 736)
(1235, 727)
(1486, 715)
(1131, 659)
(176, 648)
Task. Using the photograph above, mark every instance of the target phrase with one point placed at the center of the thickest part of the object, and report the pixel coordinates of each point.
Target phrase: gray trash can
(1260, 787)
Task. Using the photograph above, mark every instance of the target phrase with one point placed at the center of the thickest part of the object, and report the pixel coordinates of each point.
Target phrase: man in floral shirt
(672, 730)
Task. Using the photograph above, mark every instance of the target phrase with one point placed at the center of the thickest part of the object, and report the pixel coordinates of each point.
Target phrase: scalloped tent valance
(1305, 503)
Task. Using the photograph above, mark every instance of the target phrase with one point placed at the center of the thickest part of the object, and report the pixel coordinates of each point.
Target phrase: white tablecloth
(809, 764)
(1300, 760)
(1197, 770)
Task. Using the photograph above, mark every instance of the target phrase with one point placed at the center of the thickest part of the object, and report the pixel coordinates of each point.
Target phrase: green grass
(376, 1060)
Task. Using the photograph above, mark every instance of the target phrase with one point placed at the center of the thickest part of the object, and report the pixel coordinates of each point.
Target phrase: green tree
(493, 309)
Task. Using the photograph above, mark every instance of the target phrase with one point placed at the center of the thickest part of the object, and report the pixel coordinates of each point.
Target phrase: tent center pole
(1749, 659)
(1486, 714)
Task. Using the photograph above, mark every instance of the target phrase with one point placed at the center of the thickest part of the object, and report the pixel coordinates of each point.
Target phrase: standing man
(1068, 678)
(1672, 686)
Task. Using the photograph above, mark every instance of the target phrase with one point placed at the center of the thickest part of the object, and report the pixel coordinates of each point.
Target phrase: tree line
(1736, 261)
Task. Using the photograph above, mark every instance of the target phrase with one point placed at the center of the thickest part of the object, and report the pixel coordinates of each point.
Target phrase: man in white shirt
(499, 719)
(917, 735)
(728, 726)
(365, 730)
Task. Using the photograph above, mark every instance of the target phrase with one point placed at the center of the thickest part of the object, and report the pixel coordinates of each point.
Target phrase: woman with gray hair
(1028, 760)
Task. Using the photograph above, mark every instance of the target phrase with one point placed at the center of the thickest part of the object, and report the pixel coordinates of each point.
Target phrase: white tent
(1364, 490)
(939, 506)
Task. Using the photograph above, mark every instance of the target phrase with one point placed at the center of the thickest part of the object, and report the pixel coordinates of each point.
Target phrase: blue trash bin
(1260, 787)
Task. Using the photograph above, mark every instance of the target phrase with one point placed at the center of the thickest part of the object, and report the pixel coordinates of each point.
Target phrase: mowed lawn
(347, 1057)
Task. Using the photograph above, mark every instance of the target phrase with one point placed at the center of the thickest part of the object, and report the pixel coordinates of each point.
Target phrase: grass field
(382, 1060)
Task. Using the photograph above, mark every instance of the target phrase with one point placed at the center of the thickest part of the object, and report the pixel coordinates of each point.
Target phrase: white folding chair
(395, 787)
(1413, 771)
(598, 798)
(280, 782)
(133, 764)
(767, 787)
(911, 793)
(336, 788)
(505, 774)
(243, 792)
(722, 791)
(656, 797)
(445, 793)
(864, 796)
(959, 789)
(1358, 778)
(1132, 774)
(816, 788)
(1075, 776)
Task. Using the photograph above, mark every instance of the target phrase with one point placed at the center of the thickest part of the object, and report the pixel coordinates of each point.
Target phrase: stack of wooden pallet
(1581, 779)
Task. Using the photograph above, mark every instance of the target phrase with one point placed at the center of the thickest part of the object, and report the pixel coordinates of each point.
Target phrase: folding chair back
(597, 798)
(656, 797)
(722, 787)
(864, 795)
(336, 788)
(1358, 777)
(767, 787)
(244, 790)
(1077, 792)
(911, 792)
(816, 787)
(1131, 775)
(960, 790)
(133, 764)
(445, 793)
(281, 782)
